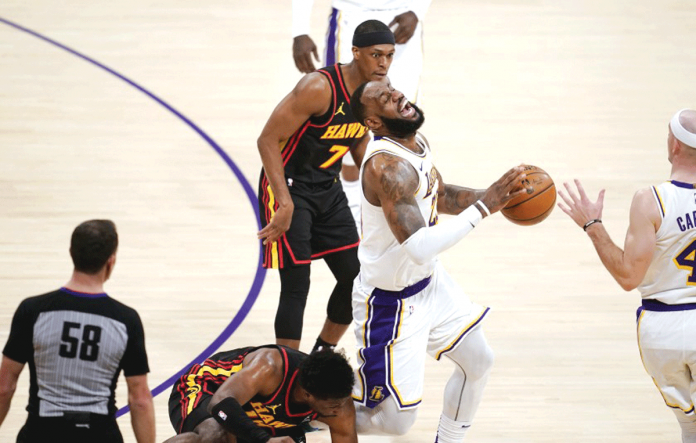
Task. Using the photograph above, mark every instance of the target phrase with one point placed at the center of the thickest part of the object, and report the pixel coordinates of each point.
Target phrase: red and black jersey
(314, 153)
(276, 413)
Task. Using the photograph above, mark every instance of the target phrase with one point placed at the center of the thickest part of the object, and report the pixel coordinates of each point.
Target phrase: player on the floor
(263, 394)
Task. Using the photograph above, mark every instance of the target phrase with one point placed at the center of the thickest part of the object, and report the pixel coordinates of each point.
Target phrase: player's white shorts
(406, 68)
(394, 330)
(667, 343)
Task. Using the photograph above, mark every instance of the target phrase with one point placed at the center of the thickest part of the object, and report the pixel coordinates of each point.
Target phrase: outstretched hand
(406, 26)
(279, 224)
(302, 49)
(507, 187)
(578, 206)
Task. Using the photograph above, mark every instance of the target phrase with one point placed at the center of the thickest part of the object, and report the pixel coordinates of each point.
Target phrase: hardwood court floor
(580, 88)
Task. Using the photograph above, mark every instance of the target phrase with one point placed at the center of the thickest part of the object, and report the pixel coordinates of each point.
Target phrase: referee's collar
(83, 294)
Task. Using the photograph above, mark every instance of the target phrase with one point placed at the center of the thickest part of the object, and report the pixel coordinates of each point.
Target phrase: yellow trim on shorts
(640, 350)
(274, 245)
(461, 334)
(392, 384)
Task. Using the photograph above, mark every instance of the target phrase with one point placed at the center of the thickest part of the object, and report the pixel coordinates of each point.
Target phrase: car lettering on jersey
(686, 222)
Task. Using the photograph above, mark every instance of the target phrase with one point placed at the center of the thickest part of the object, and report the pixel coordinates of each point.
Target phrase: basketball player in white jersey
(658, 259)
(405, 17)
(404, 303)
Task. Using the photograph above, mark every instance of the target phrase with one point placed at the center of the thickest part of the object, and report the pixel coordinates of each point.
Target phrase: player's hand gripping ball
(534, 207)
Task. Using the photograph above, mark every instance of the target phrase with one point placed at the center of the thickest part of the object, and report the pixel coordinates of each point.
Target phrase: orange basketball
(530, 209)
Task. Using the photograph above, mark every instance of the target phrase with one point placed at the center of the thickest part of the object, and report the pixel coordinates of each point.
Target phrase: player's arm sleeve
(19, 345)
(301, 14)
(419, 7)
(134, 360)
(429, 241)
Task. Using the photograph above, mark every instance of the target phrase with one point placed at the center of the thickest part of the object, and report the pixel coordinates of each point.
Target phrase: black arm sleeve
(134, 361)
(19, 345)
(234, 419)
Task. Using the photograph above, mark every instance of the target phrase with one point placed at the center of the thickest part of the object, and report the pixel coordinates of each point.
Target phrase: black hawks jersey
(275, 413)
(314, 153)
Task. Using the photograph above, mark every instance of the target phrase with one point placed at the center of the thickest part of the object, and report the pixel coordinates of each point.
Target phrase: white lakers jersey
(671, 278)
(384, 263)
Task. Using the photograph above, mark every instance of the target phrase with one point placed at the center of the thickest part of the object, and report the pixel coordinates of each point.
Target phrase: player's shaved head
(687, 118)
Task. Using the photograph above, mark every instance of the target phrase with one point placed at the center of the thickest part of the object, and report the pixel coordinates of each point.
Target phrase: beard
(403, 128)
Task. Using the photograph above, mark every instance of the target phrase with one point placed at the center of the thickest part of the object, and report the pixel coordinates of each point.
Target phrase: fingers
(306, 65)
(316, 55)
(565, 198)
(600, 198)
(581, 190)
(564, 208)
(395, 21)
(571, 193)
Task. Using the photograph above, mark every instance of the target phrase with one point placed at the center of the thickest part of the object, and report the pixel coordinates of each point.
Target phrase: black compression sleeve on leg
(234, 419)
(294, 287)
(345, 266)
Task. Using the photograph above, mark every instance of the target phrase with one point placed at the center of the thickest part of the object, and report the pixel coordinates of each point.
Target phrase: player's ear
(356, 52)
(373, 123)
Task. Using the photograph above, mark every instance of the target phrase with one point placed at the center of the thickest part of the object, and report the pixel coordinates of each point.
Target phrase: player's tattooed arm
(454, 199)
(391, 182)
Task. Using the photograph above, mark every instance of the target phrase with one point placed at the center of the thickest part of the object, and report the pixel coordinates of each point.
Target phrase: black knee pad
(294, 287)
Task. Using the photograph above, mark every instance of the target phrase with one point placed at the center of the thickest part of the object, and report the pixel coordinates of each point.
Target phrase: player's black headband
(373, 38)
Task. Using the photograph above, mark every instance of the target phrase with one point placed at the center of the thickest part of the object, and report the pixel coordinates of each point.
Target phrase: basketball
(530, 209)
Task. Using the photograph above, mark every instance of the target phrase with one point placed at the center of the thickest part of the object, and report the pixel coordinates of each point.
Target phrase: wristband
(482, 206)
(234, 419)
(590, 223)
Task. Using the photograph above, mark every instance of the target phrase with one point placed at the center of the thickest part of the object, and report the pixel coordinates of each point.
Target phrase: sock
(450, 431)
(322, 345)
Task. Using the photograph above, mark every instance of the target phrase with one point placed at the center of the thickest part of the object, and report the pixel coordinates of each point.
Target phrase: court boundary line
(260, 270)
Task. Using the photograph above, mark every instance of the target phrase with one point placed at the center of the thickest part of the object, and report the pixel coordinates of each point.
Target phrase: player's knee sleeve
(385, 419)
(474, 355)
(345, 267)
(688, 426)
(294, 287)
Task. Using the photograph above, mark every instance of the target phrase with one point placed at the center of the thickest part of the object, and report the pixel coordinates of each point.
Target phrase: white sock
(450, 431)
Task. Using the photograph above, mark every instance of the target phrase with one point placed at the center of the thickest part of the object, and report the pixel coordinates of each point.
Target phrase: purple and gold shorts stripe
(332, 38)
(659, 201)
(380, 330)
(462, 334)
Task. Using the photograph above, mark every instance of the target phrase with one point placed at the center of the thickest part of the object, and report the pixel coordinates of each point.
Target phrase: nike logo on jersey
(340, 109)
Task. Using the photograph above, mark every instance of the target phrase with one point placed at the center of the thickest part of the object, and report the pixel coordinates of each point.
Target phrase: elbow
(7, 392)
(627, 283)
(140, 402)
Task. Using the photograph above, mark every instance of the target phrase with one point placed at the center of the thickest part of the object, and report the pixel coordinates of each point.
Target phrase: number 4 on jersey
(686, 260)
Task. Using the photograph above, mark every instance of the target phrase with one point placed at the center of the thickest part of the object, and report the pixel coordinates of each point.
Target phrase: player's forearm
(425, 244)
(5, 401)
(143, 419)
(273, 166)
(612, 256)
(455, 199)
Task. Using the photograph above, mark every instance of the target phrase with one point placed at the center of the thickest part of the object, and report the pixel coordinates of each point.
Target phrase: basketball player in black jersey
(304, 212)
(263, 394)
(76, 341)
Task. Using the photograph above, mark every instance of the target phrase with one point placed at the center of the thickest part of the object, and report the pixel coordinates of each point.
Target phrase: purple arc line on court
(260, 271)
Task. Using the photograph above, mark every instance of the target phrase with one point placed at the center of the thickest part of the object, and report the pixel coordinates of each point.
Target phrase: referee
(76, 340)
